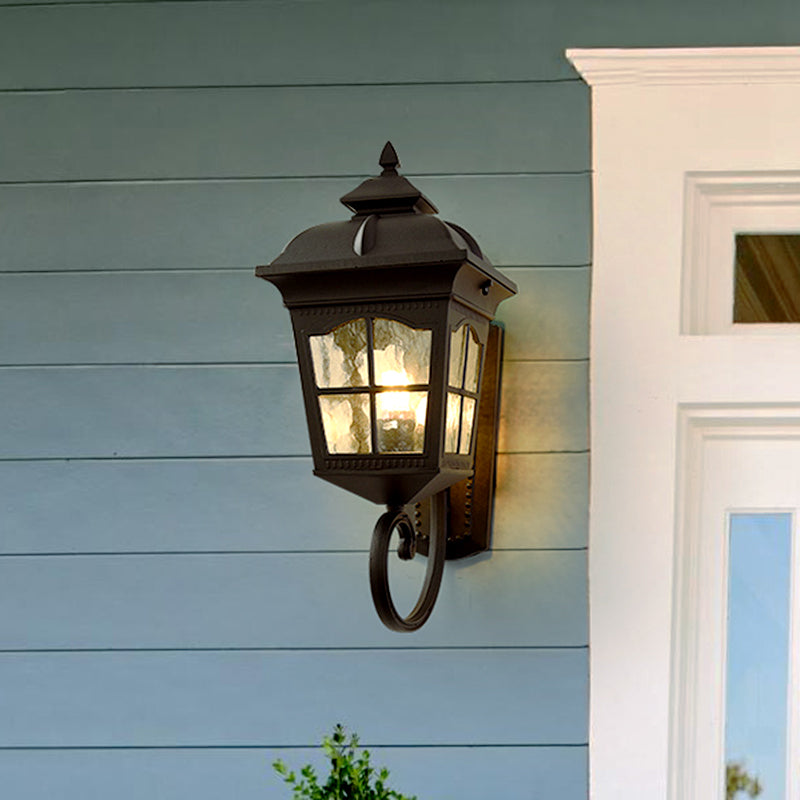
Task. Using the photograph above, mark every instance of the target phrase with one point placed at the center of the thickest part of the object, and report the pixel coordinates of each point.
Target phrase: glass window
(464, 377)
(402, 354)
(473, 365)
(401, 421)
(757, 664)
(397, 363)
(340, 357)
(345, 420)
(452, 423)
(458, 342)
(467, 420)
(767, 278)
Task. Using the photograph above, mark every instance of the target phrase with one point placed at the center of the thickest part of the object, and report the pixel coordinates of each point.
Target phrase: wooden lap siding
(184, 600)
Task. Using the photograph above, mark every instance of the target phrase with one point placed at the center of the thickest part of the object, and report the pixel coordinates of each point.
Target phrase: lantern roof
(393, 226)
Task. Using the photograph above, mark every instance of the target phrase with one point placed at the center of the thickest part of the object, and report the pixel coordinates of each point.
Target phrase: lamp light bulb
(393, 402)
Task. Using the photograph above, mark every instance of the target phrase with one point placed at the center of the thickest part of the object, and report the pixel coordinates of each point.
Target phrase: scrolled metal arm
(378, 566)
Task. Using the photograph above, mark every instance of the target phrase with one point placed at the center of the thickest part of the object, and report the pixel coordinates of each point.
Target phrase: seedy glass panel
(759, 575)
(767, 278)
(401, 421)
(458, 342)
(402, 354)
(451, 422)
(466, 425)
(340, 357)
(472, 372)
(345, 420)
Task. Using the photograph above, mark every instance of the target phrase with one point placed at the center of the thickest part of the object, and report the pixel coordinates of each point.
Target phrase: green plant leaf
(351, 776)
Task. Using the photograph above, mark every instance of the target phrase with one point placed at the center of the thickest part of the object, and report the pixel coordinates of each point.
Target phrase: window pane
(466, 426)
(458, 342)
(402, 354)
(345, 420)
(759, 571)
(401, 421)
(451, 425)
(340, 357)
(767, 284)
(472, 373)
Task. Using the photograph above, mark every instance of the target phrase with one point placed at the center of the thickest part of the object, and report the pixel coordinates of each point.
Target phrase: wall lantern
(400, 368)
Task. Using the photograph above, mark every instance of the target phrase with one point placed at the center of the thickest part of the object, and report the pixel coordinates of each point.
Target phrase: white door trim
(730, 459)
(658, 117)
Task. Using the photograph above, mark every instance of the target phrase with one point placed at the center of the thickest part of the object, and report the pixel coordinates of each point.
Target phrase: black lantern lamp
(399, 361)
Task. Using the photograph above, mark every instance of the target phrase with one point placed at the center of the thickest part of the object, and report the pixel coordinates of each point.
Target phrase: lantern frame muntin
(382, 477)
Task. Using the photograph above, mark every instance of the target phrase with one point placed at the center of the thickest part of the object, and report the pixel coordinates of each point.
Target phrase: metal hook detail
(378, 566)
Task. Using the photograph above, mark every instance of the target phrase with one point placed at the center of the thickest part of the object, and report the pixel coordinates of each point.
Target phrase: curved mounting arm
(378, 568)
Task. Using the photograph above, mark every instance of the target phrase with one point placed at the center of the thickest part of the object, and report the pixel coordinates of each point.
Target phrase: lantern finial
(389, 193)
(389, 160)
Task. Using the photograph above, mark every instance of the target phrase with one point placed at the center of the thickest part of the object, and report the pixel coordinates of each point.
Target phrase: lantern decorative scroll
(399, 362)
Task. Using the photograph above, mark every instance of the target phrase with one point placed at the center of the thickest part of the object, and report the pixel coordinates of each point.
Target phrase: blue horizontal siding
(142, 318)
(227, 315)
(549, 318)
(225, 133)
(227, 410)
(531, 598)
(152, 411)
(542, 500)
(254, 504)
(67, 44)
(183, 580)
(394, 696)
(157, 44)
(543, 407)
(537, 220)
(472, 773)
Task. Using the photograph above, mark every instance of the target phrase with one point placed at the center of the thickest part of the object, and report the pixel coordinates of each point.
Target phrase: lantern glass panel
(473, 366)
(401, 421)
(452, 422)
(340, 357)
(468, 417)
(402, 354)
(346, 422)
(458, 343)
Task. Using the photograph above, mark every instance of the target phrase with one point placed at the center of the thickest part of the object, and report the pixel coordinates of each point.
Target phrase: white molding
(717, 206)
(653, 136)
(697, 704)
(691, 65)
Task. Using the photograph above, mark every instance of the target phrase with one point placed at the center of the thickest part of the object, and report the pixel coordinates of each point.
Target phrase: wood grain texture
(543, 407)
(267, 505)
(540, 220)
(207, 133)
(288, 698)
(280, 600)
(447, 773)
